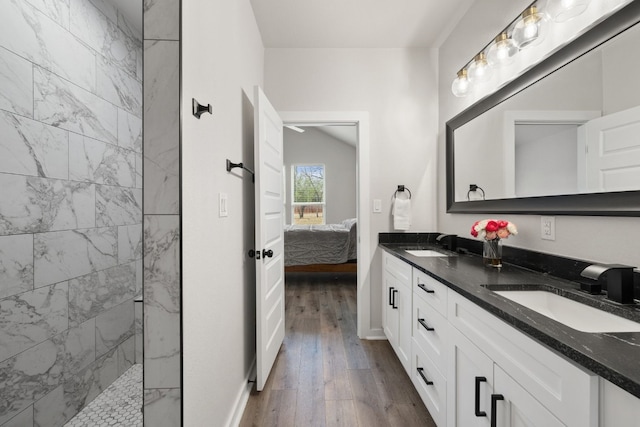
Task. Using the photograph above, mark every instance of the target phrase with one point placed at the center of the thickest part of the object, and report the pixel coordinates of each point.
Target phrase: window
(308, 198)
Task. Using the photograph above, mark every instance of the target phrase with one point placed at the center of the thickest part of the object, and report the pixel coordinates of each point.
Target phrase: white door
(613, 152)
(269, 235)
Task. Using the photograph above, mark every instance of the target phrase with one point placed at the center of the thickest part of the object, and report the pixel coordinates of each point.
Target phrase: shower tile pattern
(161, 232)
(70, 205)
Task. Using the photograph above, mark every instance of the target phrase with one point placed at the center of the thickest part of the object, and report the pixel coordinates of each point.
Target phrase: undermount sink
(570, 313)
(425, 253)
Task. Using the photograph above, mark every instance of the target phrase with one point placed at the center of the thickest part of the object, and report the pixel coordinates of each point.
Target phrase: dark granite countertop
(613, 356)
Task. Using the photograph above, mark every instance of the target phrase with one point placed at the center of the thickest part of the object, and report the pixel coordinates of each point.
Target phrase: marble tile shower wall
(162, 238)
(70, 205)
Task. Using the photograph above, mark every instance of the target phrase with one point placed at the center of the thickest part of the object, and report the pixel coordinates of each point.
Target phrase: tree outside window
(308, 198)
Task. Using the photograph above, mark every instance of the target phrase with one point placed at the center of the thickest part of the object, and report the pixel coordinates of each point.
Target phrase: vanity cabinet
(537, 387)
(463, 360)
(396, 315)
(617, 407)
(429, 352)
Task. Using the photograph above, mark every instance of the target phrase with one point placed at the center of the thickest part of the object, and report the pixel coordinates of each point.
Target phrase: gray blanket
(320, 244)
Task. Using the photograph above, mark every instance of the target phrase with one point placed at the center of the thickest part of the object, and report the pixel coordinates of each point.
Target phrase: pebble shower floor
(119, 405)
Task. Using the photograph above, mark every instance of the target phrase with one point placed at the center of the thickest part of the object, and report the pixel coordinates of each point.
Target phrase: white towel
(401, 214)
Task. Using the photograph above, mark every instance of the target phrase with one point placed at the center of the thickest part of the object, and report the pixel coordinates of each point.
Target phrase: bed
(333, 246)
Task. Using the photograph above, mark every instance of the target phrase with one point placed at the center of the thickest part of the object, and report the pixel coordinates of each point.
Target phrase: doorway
(361, 121)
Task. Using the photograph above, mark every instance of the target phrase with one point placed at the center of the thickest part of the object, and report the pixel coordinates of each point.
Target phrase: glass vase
(492, 253)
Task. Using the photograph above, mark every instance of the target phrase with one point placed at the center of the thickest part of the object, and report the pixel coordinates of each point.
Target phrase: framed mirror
(563, 138)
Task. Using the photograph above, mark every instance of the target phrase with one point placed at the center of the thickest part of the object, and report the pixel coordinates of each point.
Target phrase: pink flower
(490, 229)
(491, 226)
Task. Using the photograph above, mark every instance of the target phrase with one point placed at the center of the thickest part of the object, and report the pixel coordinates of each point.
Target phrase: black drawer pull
(423, 323)
(391, 295)
(494, 404)
(424, 378)
(393, 304)
(479, 413)
(424, 288)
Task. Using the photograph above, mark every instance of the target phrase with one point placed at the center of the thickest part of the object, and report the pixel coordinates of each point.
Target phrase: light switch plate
(223, 209)
(377, 205)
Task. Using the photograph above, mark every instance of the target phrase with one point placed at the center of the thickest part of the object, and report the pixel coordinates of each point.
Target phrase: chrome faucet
(448, 241)
(619, 280)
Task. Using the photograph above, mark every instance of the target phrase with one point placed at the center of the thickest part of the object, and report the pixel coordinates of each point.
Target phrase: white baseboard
(242, 398)
(375, 334)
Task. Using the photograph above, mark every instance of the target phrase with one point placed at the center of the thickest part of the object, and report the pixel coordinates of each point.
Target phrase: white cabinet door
(513, 406)
(619, 408)
(403, 306)
(390, 314)
(470, 375)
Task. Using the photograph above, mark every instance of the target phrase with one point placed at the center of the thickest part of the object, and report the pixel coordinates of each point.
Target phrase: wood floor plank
(310, 404)
(369, 409)
(326, 375)
(280, 409)
(408, 414)
(341, 413)
(336, 378)
(394, 384)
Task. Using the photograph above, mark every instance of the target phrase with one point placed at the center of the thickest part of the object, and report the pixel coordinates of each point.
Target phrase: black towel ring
(401, 189)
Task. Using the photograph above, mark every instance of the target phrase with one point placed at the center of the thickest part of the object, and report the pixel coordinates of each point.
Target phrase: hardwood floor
(326, 376)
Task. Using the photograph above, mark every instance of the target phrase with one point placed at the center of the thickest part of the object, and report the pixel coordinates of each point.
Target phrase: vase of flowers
(493, 231)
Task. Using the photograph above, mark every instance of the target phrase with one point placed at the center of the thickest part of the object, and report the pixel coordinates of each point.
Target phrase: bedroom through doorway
(326, 235)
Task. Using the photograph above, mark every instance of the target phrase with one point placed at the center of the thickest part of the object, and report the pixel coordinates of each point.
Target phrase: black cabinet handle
(424, 378)
(479, 413)
(391, 295)
(393, 304)
(424, 288)
(423, 323)
(494, 404)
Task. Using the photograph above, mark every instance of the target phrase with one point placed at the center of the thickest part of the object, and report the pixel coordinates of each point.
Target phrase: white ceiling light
(461, 86)
(564, 10)
(530, 29)
(501, 51)
(296, 128)
(479, 70)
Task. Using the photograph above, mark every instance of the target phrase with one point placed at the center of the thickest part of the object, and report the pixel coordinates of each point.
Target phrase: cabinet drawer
(430, 331)
(431, 385)
(396, 268)
(432, 291)
(567, 390)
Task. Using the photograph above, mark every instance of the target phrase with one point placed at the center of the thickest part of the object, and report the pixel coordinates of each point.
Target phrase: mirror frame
(622, 203)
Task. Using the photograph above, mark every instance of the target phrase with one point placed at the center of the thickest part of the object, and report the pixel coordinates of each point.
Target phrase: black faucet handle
(448, 241)
(594, 271)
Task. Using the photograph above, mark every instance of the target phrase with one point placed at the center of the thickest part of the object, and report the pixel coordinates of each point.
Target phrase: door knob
(267, 253)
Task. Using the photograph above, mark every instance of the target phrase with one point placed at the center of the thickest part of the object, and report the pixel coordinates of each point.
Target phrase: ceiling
(357, 23)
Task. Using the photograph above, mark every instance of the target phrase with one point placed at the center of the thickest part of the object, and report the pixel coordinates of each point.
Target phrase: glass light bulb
(479, 70)
(564, 10)
(461, 86)
(501, 51)
(530, 29)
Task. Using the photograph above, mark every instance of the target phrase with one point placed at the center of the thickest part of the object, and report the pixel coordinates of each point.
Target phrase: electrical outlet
(222, 205)
(548, 227)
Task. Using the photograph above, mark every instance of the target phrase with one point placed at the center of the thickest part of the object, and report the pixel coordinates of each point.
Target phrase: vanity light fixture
(530, 29)
(564, 10)
(501, 51)
(479, 71)
(461, 86)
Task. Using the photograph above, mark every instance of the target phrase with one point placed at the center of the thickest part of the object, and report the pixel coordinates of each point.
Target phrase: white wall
(339, 159)
(222, 61)
(591, 238)
(397, 88)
